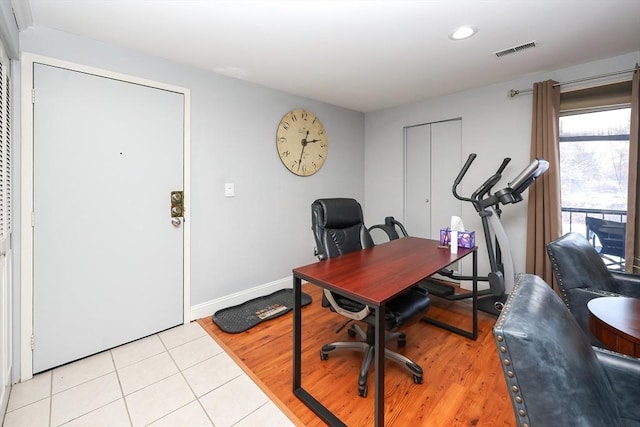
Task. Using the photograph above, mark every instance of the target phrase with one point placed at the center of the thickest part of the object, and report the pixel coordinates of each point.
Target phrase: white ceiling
(362, 55)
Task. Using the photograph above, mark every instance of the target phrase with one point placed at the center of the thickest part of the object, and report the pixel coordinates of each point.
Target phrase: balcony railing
(573, 219)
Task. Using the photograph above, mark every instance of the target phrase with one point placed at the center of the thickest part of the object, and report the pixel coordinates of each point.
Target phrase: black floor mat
(241, 317)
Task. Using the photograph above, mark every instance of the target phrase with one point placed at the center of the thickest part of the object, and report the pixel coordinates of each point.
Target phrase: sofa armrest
(628, 284)
(624, 375)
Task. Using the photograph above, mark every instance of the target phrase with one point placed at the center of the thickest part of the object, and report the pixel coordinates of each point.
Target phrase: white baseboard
(206, 309)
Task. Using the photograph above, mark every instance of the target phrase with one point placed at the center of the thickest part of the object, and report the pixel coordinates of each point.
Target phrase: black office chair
(338, 228)
(611, 236)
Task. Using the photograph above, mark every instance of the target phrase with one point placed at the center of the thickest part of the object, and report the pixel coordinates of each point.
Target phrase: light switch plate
(229, 189)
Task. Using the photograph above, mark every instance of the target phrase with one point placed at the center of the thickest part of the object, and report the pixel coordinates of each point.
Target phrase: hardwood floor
(463, 382)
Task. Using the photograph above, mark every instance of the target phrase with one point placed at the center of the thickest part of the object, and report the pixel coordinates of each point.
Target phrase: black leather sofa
(582, 275)
(553, 374)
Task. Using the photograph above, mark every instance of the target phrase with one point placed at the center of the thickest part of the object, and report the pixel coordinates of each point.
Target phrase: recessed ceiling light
(463, 33)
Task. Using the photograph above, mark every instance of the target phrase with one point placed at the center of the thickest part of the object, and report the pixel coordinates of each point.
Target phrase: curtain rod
(515, 92)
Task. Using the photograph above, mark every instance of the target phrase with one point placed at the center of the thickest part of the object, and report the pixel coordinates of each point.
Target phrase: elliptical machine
(487, 204)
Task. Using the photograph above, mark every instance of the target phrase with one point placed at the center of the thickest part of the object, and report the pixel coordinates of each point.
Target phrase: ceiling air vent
(515, 49)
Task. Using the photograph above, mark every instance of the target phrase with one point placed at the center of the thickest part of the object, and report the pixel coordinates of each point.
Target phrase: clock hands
(306, 141)
(304, 144)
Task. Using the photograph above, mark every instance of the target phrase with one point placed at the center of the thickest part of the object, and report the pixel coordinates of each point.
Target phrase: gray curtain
(544, 216)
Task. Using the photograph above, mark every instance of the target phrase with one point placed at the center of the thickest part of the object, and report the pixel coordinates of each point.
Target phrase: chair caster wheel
(323, 355)
(351, 332)
(362, 391)
(402, 342)
(417, 379)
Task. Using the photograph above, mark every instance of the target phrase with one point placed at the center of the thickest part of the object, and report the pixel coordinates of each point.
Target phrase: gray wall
(493, 125)
(9, 30)
(258, 236)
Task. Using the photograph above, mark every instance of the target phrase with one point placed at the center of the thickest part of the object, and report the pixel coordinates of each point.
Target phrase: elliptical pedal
(437, 288)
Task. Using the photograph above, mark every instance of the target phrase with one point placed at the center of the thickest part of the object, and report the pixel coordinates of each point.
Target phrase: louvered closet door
(6, 252)
(107, 260)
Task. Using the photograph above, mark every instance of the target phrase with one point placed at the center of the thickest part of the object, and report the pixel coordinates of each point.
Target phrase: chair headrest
(339, 213)
(570, 241)
(576, 264)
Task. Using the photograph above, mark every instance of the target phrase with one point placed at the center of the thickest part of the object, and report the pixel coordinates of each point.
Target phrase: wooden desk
(371, 276)
(616, 322)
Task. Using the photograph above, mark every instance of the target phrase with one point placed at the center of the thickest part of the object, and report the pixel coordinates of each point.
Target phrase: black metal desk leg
(473, 333)
(300, 392)
(297, 333)
(379, 366)
(475, 294)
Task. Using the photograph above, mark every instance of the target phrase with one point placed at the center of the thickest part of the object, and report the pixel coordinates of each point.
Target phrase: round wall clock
(301, 142)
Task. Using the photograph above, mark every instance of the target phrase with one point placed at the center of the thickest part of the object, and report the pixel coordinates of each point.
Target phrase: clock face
(301, 142)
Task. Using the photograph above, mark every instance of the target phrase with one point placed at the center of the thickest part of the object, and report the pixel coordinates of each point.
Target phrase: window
(594, 169)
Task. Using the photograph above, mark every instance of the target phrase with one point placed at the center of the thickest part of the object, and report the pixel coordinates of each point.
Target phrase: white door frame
(26, 192)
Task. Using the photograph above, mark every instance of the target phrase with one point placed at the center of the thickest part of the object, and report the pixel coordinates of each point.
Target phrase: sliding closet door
(417, 186)
(432, 161)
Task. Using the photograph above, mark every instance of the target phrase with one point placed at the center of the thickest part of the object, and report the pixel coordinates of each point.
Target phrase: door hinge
(33, 219)
(33, 95)
(33, 342)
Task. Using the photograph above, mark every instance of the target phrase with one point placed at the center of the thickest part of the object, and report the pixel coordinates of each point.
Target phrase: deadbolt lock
(177, 204)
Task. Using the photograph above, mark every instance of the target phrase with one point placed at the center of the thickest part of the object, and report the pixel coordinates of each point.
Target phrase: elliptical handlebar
(504, 164)
(461, 175)
(486, 186)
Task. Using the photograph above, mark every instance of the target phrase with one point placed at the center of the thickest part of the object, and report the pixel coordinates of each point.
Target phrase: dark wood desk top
(616, 322)
(395, 265)
(373, 276)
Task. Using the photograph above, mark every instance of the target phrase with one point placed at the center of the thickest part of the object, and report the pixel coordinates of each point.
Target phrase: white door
(108, 263)
(432, 162)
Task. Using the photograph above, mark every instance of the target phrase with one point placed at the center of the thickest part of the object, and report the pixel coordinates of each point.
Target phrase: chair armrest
(389, 230)
(628, 284)
(355, 315)
(623, 373)
(579, 297)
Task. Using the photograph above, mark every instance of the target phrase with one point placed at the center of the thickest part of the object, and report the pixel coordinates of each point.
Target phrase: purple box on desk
(466, 239)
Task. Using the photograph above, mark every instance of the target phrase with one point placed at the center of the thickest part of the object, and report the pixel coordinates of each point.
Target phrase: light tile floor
(179, 377)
